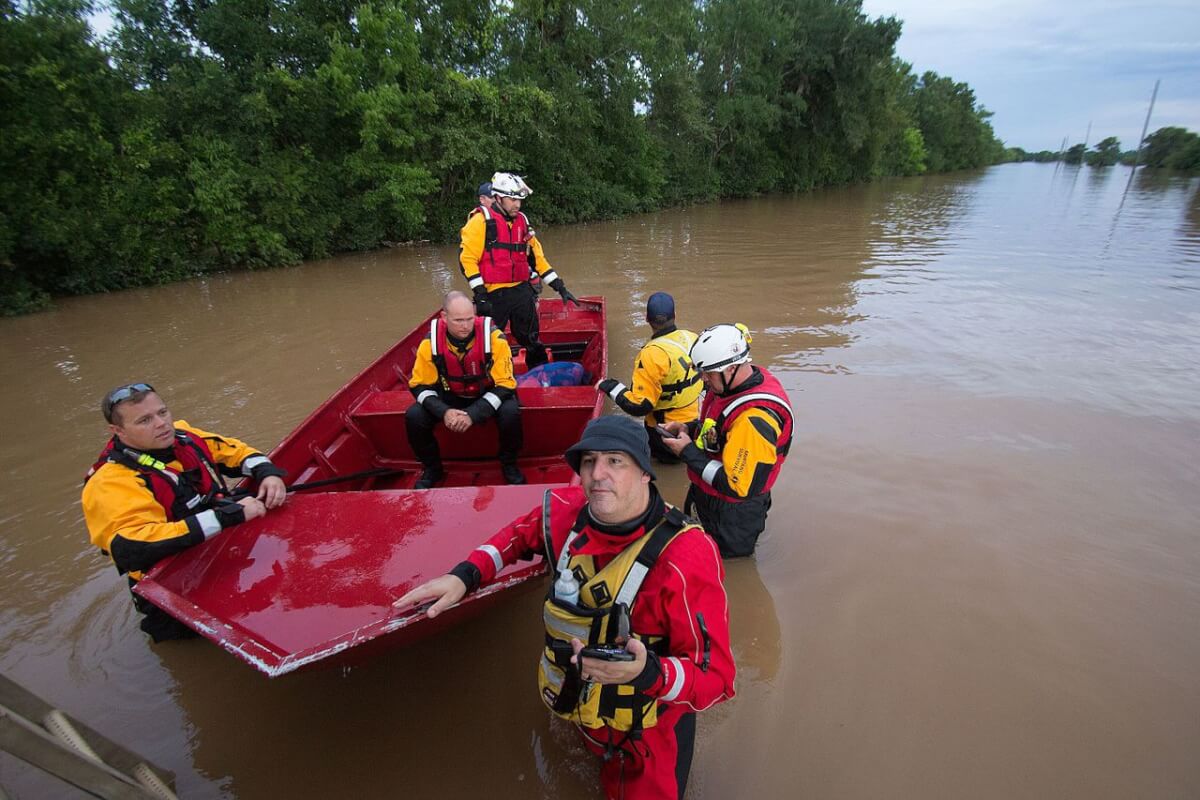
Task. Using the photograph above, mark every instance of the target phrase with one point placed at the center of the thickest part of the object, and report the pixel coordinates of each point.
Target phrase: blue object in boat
(556, 373)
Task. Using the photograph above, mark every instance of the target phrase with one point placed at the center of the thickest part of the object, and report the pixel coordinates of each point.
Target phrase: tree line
(201, 135)
(1166, 148)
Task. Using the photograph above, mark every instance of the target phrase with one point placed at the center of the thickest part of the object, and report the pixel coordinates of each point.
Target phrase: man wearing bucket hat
(741, 440)
(498, 254)
(665, 386)
(637, 585)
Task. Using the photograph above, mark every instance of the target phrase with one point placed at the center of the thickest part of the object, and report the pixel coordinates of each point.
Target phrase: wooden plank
(28, 705)
(35, 746)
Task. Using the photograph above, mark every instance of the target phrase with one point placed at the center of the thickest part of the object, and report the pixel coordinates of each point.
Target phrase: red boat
(317, 577)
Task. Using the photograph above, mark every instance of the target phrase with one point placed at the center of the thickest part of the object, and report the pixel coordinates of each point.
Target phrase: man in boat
(740, 441)
(640, 586)
(463, 376)
(498, 255)
(665, 386)
(158, 487)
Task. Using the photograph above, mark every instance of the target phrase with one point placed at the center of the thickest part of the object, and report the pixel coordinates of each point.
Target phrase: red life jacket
(769, 396)
(506, 254)
(181, 493)
(471, 374)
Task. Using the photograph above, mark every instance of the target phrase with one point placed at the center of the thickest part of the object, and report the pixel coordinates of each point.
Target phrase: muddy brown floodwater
(981, 576)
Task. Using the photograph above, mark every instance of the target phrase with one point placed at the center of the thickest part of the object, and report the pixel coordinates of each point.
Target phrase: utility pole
(1137, 158)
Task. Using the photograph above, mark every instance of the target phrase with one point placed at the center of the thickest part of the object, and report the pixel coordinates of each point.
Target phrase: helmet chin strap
(724, 383)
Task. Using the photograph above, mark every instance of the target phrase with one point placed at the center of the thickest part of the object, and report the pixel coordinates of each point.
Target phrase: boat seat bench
(550, 416)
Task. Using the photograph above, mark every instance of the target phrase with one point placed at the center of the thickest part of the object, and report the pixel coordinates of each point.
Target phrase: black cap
(613, 433)
(485, 190)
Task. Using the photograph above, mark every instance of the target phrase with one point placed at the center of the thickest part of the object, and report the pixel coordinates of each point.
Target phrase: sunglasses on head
(125, 392)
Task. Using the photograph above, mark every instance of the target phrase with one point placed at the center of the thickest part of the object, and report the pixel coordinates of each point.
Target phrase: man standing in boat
(499, 252)
(463, 376)
(641, 588)
(485, 196)
(665, 386)
(158, 487)
(741, 440)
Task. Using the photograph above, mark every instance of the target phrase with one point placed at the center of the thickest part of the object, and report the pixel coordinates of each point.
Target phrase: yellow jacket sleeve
(539, 261)
(470, 249)
(424, 373)
(235, 457)
(651, 365)
(126, 521)
(745, 462)
(502, 363)
(117, 504)
(648, 372)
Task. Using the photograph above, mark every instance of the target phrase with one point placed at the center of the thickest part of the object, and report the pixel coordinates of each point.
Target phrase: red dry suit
(683, 585)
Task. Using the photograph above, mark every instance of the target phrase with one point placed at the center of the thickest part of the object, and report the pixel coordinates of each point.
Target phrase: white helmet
(506, 184)
(721, 346)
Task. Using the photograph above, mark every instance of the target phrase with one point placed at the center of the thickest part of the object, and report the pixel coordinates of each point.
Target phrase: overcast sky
(1048, 68)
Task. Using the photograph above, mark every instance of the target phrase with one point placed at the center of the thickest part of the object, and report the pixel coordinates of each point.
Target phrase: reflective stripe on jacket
(601, 615)
(681, 385)
(468, 374)
(684, 585)
(719, 414)
(505, 256)
(180, 492)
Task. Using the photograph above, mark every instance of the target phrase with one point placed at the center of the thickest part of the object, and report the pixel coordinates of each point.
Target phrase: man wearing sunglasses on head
(159, 487)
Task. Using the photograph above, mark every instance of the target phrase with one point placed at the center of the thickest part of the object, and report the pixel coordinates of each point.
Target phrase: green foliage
(1172, 148)
(907, 155)
(1105, 153)
(1017, 154)
(63, 112)
(1075, 153)
(956, 130)
(218, 134)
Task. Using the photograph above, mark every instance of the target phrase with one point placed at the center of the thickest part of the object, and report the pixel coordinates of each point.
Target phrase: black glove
(559, 286)
(483, 304)
(608, 384)
(649, 674)
(229, 513)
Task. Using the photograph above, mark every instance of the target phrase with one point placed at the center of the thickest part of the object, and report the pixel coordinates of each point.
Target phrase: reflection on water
(1028, 301)
(982, 552)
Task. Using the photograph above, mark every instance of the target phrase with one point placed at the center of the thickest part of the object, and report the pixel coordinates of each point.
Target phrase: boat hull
(316, 580)
(312, 583)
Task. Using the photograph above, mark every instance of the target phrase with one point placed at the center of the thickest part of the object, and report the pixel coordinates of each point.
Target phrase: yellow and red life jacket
(470, 374)
(601, 615)
(181, 493)
(718, 412)
(506, 254)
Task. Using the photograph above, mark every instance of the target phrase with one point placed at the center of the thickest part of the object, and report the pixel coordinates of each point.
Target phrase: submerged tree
(1105, 153)
(1075, 153)
(1172, 148)
(211, 134)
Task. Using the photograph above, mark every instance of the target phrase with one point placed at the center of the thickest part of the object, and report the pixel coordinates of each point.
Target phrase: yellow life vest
(601, 616)
(681, 385)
